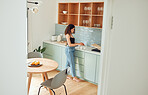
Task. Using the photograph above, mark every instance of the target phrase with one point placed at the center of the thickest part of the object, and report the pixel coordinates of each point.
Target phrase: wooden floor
(73, 88)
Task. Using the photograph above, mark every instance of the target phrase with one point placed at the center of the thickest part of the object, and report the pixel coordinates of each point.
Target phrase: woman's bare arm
(69, 42)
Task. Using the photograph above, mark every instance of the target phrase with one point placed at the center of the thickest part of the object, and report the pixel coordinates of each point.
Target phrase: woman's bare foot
(68, 77)
(77, 79)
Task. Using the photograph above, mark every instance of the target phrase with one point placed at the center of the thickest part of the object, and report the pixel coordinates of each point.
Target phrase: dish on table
(35, 64)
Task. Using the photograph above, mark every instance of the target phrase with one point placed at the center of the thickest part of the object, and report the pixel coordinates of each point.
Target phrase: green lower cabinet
(53, 52)
(79, 60)
(79, 54)
(89, 67)
(47, 56)
(63, 58)
(49, 48)
(57, 56)
(86, 64)
(97, 69)
(80, 74)
(79, 67)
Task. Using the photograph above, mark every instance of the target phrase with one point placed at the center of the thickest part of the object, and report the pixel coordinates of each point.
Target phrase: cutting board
(96, 46)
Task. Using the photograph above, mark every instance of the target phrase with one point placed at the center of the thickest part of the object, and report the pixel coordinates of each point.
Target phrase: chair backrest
(59, 79)
(35, 55)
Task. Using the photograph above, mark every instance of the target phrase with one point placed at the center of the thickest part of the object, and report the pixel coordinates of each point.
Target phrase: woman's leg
(73, 68)
(67, 62)
(70, 59)
(67, 57)
(73, 64)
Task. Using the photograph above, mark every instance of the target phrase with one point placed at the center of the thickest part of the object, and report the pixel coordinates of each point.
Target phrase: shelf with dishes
(85, 21)
(87, 14)
(97, 21)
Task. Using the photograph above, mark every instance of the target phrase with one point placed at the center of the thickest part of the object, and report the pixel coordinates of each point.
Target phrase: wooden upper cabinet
(63, 7)
(85, 8)
(98, 8)
(73, 8)
(87, 14)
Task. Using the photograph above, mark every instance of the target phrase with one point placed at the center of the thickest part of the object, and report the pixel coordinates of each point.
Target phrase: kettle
(59, 37)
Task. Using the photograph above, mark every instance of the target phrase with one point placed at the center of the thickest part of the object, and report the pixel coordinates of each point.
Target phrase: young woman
(70, 29)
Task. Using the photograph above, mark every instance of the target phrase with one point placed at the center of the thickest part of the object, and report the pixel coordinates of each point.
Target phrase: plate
(29, 65)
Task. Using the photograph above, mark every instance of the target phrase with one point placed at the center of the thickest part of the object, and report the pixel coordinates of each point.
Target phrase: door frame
(106, 32)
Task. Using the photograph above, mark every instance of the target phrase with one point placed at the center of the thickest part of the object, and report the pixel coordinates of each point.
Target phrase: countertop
(81, 48)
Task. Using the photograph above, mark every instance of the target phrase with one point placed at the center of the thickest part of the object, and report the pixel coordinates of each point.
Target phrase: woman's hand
(82, 44)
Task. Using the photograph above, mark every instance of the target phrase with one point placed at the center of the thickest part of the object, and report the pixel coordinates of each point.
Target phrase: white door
(126, 67)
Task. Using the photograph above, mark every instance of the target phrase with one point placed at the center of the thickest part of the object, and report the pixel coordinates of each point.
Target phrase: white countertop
(85, 49)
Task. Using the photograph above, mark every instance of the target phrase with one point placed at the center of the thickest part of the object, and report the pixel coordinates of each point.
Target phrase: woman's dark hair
(68, 29)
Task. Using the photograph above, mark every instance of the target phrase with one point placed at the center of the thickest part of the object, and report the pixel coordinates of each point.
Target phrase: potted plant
(39, 49)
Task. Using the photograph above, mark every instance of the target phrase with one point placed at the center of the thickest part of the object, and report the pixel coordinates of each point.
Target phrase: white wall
(127, 55)
(70, 1)
(13, 47)
(41, 25)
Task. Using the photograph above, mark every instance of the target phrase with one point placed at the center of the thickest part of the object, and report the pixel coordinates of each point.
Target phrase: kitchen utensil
(96, 46)
(85, 9)
(87, 22)
(84, 21)
(54, 38)
(96, 50)
(98, 10)
(64, 12)
(59, 38)
(98, 25)
(64, 22)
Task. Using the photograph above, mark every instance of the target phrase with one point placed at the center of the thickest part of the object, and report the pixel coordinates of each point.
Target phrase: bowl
(64, 12)
(64, 22)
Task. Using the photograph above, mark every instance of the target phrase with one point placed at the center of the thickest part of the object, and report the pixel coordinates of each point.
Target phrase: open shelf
(97, 21)
(85, 14)
(85, 21)
(62, 14)
(63, 18)
(73, 19)
(73, 8)
(98, 8)
(85, 8)
(63, 7)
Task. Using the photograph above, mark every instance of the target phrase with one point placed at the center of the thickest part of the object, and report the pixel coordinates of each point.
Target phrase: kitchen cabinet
(79, 54)
(86, 14)
(63, 55)
(53, 52)
(97, 69)
(47, 56)
(86, 64)
(89, 67)
(57, 56)
(79, 64)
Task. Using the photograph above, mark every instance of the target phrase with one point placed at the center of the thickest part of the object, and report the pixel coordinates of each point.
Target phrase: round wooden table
(48, 65)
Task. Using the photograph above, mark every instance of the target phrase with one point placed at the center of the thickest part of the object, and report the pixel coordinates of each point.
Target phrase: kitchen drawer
(79, 67)
(79, 54)
(49, 48)
(79, 60)
(80, 74)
